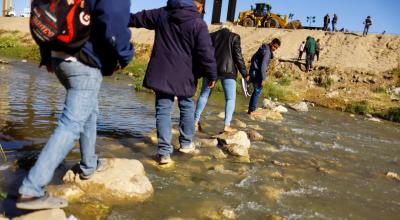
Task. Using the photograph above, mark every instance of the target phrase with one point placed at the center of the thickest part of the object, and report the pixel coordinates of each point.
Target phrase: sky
(351, 13)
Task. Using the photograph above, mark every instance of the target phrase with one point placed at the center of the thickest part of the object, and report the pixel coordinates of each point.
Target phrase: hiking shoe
(44, 202)
(187, 149)
(102, 164)
(164, 159)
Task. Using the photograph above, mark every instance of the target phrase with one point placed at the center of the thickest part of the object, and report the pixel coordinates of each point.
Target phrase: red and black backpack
(60, 23)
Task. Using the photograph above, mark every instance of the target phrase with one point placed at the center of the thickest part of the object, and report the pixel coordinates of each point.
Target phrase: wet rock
(274, 217)
(255, 136)
(228, 213)
(300, 107)
(218, 154)
(265, 114)
(237, 150)
(271, 148)
(374, 119)
(58, 214)
(206, 142)
(239, 138)
(272, 193)
(201, 158)
(255, 127)
(268, 104)
(124, 179)
(277, 175)
(69, 192)
(221, 169)
(280, 109)
(221, 115)
(281, 164)
(393, 175)
(239, 123)
(24, 61)
(4, 62)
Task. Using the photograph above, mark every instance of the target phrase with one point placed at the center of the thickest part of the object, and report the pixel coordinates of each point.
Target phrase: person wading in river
(228, 54)
(258, 71)
(81, 75)
(182, 42)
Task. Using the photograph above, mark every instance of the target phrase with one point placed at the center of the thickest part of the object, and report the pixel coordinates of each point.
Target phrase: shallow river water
(336, 162)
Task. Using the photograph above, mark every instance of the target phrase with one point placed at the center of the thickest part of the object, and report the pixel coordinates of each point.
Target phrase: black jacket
(228, 54)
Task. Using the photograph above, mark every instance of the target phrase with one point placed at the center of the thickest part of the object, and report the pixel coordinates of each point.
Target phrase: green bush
(379, 90)
(12, 47)
(358, 107)
(285, 81)
(274, 90)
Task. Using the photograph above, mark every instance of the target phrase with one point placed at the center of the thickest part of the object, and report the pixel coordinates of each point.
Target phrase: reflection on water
(336, 162)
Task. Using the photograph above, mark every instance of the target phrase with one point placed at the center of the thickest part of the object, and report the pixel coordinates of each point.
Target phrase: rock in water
(300, 107)
(255, 136)
(239, 123)
(239, 138)
(236, 150)
(236, 143)
(58, 214)
(221, 115)
(280, 109)
(393, 175)
(264, 114)
(124, 179)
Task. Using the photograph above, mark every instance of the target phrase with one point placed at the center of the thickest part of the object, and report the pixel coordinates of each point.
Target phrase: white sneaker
(188, 149)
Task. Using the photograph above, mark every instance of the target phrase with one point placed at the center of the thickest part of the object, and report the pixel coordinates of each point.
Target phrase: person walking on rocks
(327, 20)
(80, 72)
(182, 43)
(310, 52)
(367, 24)
(334, 22)
(258, 71)
(228, 54)
(301, 50)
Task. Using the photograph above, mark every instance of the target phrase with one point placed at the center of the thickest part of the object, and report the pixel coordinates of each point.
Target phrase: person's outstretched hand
(211, 84)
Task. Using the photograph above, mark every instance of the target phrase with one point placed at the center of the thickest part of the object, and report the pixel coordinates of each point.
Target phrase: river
(336, 162)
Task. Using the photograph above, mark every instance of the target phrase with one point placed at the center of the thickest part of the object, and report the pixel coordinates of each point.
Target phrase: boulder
(238, 138)
(58, 214)
(396, 91)
(265, 114)
(268, 104)
(221, 115)
(393, 175)
(124, 179)
(228, 213)
(300, 107)
(205, 142)
(237, 150)
(280, 109)
(239, 123)
(254, 135)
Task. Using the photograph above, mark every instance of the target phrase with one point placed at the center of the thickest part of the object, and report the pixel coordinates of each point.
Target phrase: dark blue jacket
(109, 43)
(182, 46)
(260, 62)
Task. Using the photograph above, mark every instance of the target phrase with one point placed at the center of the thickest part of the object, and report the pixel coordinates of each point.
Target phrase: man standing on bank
(258, 71)
(182, 42)
(228, 54)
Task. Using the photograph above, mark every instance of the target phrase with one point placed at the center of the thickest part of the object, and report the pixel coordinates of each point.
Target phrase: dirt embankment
(352, 69)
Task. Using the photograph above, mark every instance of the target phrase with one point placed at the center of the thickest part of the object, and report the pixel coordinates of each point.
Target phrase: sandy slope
(347, 52)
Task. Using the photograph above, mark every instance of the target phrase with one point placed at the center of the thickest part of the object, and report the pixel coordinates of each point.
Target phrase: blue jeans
(229, 86)
(309, 60)
(257, 86)
(164, 103)
(77, 121)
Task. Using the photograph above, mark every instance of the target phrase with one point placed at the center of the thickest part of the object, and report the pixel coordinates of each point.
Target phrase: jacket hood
(174, 4)
(182, 11)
